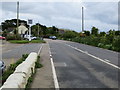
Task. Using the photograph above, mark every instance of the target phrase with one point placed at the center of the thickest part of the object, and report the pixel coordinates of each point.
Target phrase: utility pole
(82, 19)
(17, 16)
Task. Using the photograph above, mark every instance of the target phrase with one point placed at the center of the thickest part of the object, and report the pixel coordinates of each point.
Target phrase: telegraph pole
(82, 19)
(17, 16)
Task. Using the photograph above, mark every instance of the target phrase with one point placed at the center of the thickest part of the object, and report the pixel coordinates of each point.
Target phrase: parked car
(2, 66)
(53, 37)
(1, 37)
(32, 37)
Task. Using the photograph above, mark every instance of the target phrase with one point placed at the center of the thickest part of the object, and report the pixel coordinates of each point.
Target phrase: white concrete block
(22, 72)
(17, 80)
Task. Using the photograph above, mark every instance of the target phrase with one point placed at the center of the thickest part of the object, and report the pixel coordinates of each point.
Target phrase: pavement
(43, 77)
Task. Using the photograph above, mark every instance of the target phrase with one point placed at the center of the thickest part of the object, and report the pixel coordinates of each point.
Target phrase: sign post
(29, 22)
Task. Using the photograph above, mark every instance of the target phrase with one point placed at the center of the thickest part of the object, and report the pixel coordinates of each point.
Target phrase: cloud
(103, 11)
(65, 14)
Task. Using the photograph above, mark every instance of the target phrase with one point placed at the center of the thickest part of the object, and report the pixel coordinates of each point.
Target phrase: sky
(67, 15)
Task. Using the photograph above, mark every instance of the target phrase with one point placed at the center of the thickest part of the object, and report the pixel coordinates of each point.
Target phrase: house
(61, 31)
(22, 29)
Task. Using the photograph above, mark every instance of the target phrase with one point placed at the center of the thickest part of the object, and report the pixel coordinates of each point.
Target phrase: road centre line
(94, 56)
(56, 84)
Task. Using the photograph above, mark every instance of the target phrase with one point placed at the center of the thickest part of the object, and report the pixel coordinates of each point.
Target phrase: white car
(30, 36)
(53, 37)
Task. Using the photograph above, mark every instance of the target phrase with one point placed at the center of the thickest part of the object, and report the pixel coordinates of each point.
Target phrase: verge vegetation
(30, 80)
(109, 40)
(26, 41)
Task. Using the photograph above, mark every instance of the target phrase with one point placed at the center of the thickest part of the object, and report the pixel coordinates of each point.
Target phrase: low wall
(22, 72)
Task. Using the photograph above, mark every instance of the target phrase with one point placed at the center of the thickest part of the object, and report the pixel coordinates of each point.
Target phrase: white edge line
(54, 72)
(94, 57)
(54, 75)
(40, 49)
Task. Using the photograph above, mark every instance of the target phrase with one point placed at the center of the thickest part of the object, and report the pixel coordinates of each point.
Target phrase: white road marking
(65, 64)
(107, 60)
(94, 57)
(60, 64)
(54, 75)
(56, 84)
(86, 51)
(40, 49)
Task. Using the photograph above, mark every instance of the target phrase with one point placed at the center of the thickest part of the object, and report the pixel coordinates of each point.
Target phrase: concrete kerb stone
(23, 71)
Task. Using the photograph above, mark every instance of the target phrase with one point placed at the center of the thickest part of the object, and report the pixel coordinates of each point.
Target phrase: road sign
(29, 21)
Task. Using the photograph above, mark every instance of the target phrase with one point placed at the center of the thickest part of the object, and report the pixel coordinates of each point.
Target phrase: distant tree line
(109, 40)
(36, 30)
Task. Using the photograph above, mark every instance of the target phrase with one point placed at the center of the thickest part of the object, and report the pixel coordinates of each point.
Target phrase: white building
(22, 29)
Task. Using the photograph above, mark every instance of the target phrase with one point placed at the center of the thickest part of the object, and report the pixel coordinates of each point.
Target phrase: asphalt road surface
(83, 66)
(13, 54)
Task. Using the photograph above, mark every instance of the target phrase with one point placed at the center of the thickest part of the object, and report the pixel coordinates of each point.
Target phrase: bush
(13, 37)
(116, 44)
(37, 64)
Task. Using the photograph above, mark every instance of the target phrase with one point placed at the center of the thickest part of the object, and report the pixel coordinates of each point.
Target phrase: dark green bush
(116, 44)
(37, 64)
(13, 37)
(107, 42)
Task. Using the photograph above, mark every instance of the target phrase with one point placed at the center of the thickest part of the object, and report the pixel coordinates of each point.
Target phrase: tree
(70, 34)
(12, 24)
(94, 31)
(102, 33)
(34, 30)
(87, 33)
(117, 33)
(53, 30)
(4, 34)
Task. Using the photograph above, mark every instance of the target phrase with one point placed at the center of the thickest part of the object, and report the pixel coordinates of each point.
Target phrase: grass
(26, 41)
(37, 41)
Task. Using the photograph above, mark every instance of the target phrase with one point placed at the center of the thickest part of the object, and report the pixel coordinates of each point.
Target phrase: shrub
(37, 64)
(13, 37)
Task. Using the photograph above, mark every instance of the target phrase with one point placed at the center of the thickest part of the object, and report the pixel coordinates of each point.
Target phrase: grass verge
(30, 80)
(26, 41)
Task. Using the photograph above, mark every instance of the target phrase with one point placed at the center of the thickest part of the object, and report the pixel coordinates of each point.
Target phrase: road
(83, 66)
(16, 51)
